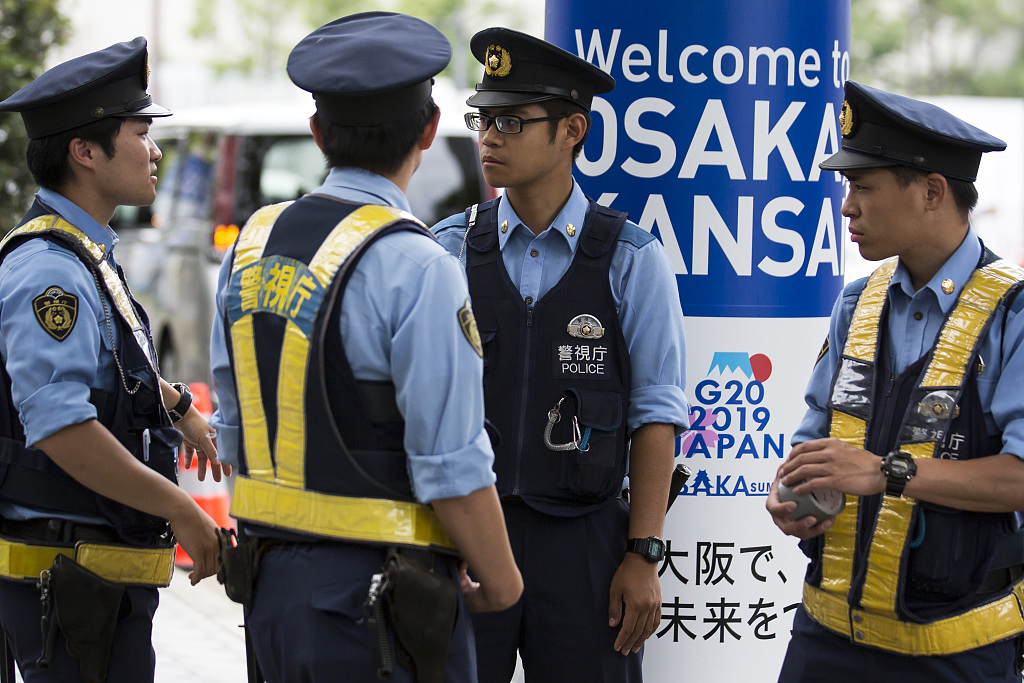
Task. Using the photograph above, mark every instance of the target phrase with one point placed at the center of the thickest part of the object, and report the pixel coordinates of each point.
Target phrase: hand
(201, 440)
(832, 464)
(634, 601)
(474, 594)
(804, 528)
(197, 533)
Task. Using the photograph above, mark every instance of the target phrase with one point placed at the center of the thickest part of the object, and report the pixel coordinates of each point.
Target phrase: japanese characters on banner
(711, 141)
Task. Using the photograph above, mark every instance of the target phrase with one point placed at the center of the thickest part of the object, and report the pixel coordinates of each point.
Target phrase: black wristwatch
(898, 468)
(651, 548)
(183, 404)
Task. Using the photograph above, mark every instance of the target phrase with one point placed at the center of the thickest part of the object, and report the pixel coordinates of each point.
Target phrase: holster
(237, 571)
(423, 607)
(85, 608)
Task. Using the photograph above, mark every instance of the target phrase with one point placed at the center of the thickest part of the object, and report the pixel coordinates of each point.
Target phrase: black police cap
(369, 68)
(110, 82)
(885, 129)
(521, 69)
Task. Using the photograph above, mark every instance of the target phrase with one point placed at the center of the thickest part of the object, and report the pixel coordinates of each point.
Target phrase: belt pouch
(86, 606)
(236, 567)
(423, 608)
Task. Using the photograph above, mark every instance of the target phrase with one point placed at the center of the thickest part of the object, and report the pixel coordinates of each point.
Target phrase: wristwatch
(898, 468)
(651, 548)
(183, 404)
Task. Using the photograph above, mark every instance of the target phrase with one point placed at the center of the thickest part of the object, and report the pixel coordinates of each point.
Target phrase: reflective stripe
(118, 563)
(975, 628)
(948, 364)
(115, 287)
(341, 517)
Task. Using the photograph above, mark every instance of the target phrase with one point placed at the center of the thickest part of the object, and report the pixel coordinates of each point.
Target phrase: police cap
(110, 82)
(884, 129)
(521, 69)
(369, 68)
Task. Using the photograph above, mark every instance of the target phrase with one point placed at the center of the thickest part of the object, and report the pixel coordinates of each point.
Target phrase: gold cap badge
(846, 118)
(497, 62)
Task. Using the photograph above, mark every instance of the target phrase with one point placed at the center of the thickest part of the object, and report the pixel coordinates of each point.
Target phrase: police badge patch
(467, 321)
(56, 311)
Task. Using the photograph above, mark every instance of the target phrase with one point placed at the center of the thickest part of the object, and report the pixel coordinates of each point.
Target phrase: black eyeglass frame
(479, 122)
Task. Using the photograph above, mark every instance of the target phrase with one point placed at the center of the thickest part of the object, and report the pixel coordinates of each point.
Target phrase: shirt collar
(359, 185)
(957, 269)
(568, 223)
(78, 217)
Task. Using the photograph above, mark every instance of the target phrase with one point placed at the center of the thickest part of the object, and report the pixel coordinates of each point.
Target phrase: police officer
(584, 369)
(916, 414)
(352, 398)
(88, 470)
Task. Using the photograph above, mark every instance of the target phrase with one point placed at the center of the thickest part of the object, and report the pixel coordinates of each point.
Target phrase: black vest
(531, 361)
(353, 430)
(29, 478)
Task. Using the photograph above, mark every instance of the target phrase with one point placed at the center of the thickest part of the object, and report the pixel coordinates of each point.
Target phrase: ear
(318, 134)
(83, 153)
(936, 191)
(427, 139)
(575, 130)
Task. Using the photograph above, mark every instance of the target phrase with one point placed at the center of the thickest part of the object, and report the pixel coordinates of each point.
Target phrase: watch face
(655, 550)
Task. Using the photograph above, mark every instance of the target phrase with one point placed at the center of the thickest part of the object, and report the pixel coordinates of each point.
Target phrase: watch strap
(184, 403)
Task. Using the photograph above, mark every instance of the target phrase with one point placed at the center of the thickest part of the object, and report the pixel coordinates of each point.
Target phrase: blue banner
(712, 137)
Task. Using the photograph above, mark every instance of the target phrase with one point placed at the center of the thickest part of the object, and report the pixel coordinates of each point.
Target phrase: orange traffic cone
(212, 496)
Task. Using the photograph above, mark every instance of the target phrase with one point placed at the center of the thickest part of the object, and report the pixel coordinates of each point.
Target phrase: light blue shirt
(399, 323)
(51, 379)
(910, 338)
(643, 287)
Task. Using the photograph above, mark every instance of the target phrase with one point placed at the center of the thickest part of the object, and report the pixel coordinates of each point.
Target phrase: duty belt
(22, 560)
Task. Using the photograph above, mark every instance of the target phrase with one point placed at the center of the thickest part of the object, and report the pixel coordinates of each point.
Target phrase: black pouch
(236, 572)
(594, 473)
(86, 607)
(423, 607)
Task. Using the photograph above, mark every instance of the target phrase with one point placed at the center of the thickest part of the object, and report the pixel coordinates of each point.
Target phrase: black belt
(53, 530)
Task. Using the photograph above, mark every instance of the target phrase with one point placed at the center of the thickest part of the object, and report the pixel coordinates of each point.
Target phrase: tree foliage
(28, 30)
(260, 24)
(939, 47)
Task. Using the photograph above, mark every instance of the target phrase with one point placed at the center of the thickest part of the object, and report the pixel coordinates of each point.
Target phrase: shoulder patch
(824, 350)
(467, 321)
(633, 234)
(56, 311)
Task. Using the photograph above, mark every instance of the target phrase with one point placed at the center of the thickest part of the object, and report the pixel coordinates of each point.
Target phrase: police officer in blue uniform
(914, 413)
(348, 366)
(88, 494)
(584, 373)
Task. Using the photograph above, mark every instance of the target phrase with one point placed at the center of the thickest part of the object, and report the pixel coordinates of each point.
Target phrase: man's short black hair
(48, 156)
(965, 194)
(381, 149)
(560, 107)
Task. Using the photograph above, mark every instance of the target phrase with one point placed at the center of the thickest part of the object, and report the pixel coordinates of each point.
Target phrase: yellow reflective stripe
(340, 517)
(44, 224)
(882, 578)
(984, 625)
(862, 337)
(290, 442)
(253, 237)
(840, 539)
(978, 300)
(255, 434)
(290, 445)
(122, 564)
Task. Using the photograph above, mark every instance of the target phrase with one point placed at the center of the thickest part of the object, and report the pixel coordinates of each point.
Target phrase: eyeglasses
(505, 123)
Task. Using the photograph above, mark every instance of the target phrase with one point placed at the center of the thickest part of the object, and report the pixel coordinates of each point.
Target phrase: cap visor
(501, 98)
(151, 110)
(846, 159)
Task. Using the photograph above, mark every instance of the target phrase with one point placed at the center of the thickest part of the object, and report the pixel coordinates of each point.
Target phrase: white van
(219, 165)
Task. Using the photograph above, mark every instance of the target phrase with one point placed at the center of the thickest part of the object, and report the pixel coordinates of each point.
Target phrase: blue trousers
(307, 618)
(132, 659)
(560, 625)
(816, 654)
